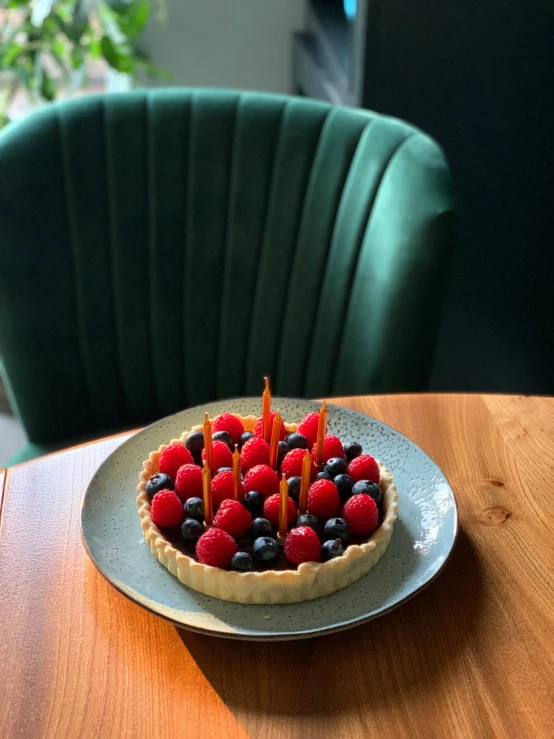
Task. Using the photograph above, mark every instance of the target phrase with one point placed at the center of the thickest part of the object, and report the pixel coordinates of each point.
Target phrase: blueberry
(260, 527)
(265, 549)
(307, 519)
(297, 441)
(225, 437)
(194, 508)
(195, 444)
(335, 466)
(336, 528)
(254, 502)
(224, 469)
(344, 486)
(294, 487)
(191, 529)
(351, 450)
(242, 562)
(283, 449)
(331, 549)
(366, 487)
(158, 482)
(323, 475)
(244, 438)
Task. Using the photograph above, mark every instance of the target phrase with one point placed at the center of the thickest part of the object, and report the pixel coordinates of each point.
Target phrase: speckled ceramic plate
(423, 536)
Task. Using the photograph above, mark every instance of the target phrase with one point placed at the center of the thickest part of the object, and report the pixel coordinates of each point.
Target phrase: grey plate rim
(268, 636)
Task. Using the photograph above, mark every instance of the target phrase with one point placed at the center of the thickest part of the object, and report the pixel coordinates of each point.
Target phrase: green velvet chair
(162, 249)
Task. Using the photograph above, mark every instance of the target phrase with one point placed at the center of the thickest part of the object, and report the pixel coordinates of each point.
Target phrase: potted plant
(47, 46)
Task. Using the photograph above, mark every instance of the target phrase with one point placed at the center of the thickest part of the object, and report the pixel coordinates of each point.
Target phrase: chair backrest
(161, 249)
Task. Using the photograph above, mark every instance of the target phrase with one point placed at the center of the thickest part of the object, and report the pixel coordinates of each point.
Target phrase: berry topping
(233, 518)
(306, 519)
(336, 528)
(271, 509)
(265, 549)
(361, 514)
(308, 427)
(323, 475)
(335, 466)
(331, 548)
(323, 499)
(263, 479)
(223, 469)
(167, 510)
(226, 438)
(366, 487)
(191, 529)
(194, 508)
(351, 450)
(173, 457)
(364, 467)
(258, 428)
(221, 454)
(254, 502)
(244, 438)
(260, 527)
(231, 424)
(188, 483)
(195, 444)
(297, 441)
(294, 487)
(292, 464)
(302, 545)
(216, 548)
(158, 482)
(242, 562)
(282, 449)
(222, 488)
(255, 451)
(344, 486)
(332, 447)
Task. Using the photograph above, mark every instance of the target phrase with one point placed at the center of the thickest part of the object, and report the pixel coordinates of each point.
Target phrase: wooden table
(471, 656)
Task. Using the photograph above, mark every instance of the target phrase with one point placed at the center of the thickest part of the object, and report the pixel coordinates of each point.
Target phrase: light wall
(227, 43)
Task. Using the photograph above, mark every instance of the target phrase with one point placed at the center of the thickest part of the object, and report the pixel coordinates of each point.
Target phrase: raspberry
(323, 499)
(263, 479)
(255, 451)
(258, 428)
(222, 488)
(233, 518)
(364, 467)
(216, 548)
(308, 427)
(332, 447)
(188, 483)
(271, 509)
(231, 424)
(361, 513)
(173, 457)
(167, 510)
(221, 454)
(302, 545)
(291, 466)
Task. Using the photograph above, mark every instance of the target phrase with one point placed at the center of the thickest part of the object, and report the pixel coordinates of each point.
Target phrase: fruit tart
(290, 517)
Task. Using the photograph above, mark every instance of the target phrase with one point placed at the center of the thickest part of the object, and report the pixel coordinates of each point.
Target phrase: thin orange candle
(274, 446)
(207, 494)
(321, 431)
(305, 483)
(236, 473)
(266, 410)
(283, 507)
(208, 443)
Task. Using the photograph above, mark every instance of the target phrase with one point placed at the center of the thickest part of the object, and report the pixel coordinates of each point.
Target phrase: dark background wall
(478, 75)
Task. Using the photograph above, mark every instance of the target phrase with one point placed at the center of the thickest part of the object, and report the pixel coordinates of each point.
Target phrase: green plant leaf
(41, 11)
(48, 87)
(80, 19)
(114, 57)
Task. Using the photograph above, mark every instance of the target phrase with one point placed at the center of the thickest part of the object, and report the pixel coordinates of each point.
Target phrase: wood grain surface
(471, 656)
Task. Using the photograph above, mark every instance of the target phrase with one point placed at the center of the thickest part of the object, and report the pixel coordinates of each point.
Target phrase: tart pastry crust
(311, 579)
